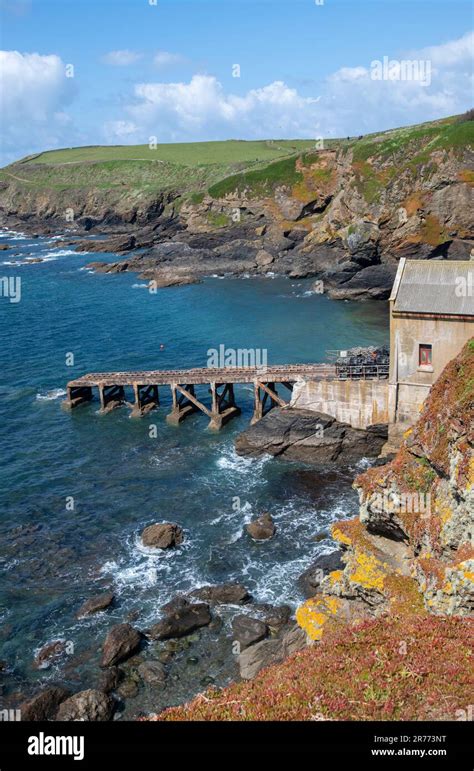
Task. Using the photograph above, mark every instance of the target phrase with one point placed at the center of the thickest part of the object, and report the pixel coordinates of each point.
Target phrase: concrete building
(431, 318)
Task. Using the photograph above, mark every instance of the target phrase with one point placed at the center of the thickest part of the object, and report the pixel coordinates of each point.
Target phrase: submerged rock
(50, 653)
(87, 705)
(95, 604)
(162, 536)
(152, 672)
(121, 642)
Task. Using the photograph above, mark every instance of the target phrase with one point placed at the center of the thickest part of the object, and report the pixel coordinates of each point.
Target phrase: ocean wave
(140, 286)
(56, 393)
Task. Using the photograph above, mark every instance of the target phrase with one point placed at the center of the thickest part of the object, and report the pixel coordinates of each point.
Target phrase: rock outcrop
(121, 642)
(309, 436)
(344, 215)
(410, 550)
(162, 536)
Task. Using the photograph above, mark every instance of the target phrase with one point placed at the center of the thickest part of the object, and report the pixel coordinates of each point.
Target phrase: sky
(83, 72)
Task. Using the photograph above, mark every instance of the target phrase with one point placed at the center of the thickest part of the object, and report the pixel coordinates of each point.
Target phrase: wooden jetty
(221, 406)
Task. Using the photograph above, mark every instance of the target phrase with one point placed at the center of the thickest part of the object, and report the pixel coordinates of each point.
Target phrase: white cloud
(351, 102)
(34, 91)
(167, 59)
(121, 58)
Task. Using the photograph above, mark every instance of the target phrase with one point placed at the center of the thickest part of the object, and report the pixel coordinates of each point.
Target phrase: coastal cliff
(391, 628)
(344, 212)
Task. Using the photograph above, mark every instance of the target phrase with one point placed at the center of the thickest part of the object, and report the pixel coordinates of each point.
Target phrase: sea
(77, 488)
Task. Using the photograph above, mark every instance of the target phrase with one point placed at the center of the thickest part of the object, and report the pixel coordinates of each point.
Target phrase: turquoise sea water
(51, 558)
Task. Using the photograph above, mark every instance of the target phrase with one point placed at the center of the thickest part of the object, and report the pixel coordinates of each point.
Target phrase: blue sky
(165, 70)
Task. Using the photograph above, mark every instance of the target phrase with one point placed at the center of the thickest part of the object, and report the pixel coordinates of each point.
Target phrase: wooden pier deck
(221, 407)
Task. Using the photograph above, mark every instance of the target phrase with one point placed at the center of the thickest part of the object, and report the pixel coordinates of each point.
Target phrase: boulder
(225, 594)
(90, 705)
(95, 604)
(248, 631)
(309, 436)
(110, 679)
(262, 527)
(44, 705)
(264, 258)
(310, 580)
(152, 672)
(162, 536)
(121, 642)
(272, 651)
(275, 616)
(181, 618)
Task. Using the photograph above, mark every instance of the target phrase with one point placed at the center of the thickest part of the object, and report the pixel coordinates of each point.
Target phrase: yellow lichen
(314, 613)
(368, 571)
(338, 535)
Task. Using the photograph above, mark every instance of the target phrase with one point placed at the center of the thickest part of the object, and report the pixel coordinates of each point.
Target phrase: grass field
(186, 154)
(220, 168)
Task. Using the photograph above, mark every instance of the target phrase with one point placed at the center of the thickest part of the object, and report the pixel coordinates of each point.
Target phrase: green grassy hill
(136, 174)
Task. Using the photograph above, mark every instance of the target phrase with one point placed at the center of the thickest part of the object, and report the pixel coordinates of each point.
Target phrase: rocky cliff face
(344, 214)
(410, 550)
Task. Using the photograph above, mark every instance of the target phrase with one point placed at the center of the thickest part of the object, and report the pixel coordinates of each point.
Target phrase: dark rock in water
(275, 616)
(128, 689)
(152, 672)
(110, 679)
(162, 536)
(116, 244)
(310, 580)
(162, 279)
(180, 619)
(267, 652)
(374, 282)
(311, 437)
(44, 705)
(4, 247)
(95, 604)
(49, 653)
(248, 631)
(262, 527)
(225, 594)
(121, 642)
(87, 705)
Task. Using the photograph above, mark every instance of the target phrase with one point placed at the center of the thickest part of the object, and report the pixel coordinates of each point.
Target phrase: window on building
(426, 355)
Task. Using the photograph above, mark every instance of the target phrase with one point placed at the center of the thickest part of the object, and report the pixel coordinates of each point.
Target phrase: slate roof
(434, 286)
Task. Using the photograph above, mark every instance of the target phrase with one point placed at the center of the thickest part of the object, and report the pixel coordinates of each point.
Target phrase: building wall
(360, 403)
(410, 383)
(447, 336)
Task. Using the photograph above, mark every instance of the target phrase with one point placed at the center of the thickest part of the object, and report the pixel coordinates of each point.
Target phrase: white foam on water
(49, 396)
(140, 286)
(59, 253)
